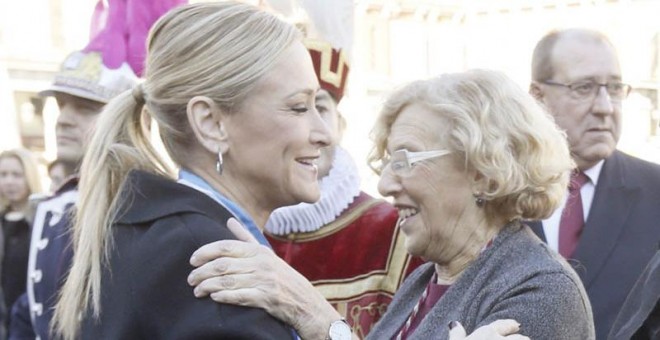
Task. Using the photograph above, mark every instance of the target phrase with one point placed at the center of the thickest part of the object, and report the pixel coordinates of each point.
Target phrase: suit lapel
(610, 208)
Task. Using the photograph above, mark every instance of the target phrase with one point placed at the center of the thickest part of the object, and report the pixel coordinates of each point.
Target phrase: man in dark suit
(3, 309)
(576, 75)
(639, 318)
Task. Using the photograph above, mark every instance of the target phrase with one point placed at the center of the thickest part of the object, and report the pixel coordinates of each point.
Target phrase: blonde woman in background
(19, 179)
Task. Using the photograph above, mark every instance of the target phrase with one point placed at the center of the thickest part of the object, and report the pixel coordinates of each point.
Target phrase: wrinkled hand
(500, 329)
(246, 273)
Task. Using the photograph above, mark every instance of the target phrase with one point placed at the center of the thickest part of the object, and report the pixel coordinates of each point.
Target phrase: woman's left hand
(249, 274)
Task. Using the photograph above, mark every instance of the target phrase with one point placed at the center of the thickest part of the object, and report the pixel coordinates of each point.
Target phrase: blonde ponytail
(119, 145)
(218, 50)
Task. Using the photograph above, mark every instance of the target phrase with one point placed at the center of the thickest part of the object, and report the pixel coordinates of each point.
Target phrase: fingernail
(193, 258)
(452, 325)
(191, 278)
(196, 292)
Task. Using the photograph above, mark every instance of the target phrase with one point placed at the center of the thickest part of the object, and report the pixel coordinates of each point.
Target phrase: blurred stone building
(394, 41)
(35, 36)
(400, 40)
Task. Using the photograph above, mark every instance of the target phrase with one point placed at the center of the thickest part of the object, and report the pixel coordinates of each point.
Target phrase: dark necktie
(572, 218)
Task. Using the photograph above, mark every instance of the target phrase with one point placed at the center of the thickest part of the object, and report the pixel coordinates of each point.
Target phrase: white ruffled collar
(338, 189)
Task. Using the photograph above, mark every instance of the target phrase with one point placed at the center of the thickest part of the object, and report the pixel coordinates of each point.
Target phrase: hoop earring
(479, 200)
(218, 164)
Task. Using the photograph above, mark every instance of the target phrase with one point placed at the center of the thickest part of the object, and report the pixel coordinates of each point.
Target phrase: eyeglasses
(588, 89)
(402, 161)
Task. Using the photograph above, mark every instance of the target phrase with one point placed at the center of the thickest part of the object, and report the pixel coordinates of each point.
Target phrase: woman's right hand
(246, 273)
(500, 329)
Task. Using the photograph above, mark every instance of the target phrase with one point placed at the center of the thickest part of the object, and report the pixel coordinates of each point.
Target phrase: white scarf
(338, 189)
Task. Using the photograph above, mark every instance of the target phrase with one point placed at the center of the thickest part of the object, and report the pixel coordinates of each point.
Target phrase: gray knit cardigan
(517, 277)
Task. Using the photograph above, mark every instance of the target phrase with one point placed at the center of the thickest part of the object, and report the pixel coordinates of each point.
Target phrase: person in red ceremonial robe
(357, 232)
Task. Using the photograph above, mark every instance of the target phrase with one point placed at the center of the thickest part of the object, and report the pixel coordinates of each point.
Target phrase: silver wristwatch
(339, 330)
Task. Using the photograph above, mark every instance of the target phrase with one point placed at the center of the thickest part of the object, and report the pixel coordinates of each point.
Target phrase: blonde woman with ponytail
(232, 90)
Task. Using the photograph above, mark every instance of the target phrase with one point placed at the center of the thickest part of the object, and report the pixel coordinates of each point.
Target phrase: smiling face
(276, 137)
(74, 125)
(435, 199)
(593, 126)
(13, 183)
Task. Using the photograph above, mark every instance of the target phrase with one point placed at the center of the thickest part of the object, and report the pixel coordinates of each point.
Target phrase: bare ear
(536, 91)
(205, 119)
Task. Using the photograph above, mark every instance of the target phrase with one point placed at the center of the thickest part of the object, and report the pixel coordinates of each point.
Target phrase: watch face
(339, 330)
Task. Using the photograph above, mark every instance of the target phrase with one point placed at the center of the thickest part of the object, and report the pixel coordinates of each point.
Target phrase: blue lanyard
(188, 178)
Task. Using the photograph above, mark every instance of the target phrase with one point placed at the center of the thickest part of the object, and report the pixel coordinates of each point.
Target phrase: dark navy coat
(145, 294)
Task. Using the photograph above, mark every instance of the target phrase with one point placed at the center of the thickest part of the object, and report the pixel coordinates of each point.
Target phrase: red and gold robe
(357, 261)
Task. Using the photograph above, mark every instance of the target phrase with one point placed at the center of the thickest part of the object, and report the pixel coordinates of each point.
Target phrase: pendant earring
(218, 164)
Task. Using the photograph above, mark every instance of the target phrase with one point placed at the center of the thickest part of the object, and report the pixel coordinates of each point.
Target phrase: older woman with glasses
(467, 158)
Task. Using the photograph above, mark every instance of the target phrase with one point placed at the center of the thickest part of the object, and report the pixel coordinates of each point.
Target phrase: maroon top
(432, 294)
(429, 298)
